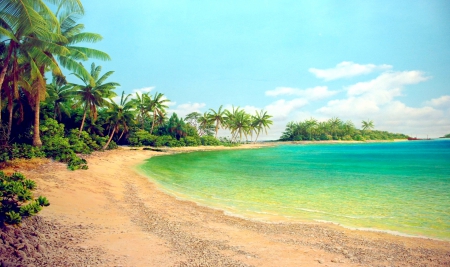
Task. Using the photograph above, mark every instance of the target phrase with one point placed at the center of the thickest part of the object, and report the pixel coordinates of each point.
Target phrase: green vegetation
(335, 129)
(16, 199)
(446, 136)
(62, 120)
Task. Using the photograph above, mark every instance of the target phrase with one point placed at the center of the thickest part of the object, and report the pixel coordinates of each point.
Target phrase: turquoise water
(397, 186)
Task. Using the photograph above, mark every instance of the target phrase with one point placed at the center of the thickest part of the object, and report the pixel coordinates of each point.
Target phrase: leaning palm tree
(240, 124)
(205, 127)
(218, 117)
(94, 92)
(120, 115)
(261, 122)
(158, 106)
(367, 125)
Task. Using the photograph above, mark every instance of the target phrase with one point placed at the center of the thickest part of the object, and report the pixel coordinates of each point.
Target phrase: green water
(402, 187)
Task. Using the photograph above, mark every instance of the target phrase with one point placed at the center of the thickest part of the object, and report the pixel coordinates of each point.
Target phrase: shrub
(210, 141)
(82, 144)
(16, 198)
(192, 141)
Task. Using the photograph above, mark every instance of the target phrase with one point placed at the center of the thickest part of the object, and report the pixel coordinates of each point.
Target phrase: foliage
(209, 141)
(17, 199)
(334, 129)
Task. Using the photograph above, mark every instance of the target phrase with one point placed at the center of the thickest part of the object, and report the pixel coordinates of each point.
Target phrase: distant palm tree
(311, 124)
(158, 106)
(334, 123)
(261, 122)
(367, 125)
(204, 125)
(218, 117)
(120, 115)
(143, 105)
(94, 92)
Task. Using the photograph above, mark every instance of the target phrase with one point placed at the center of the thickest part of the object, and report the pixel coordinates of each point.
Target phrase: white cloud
(281, 109)
(347, 69)
(441, 102)
(315, 93)
(183, 109)
(375, 100)
(142, 90)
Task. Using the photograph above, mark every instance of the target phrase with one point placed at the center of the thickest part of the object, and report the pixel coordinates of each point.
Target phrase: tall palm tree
(120, 115)
(367, 125)
(22, 23)
(240, 124)
(94, 92)
(158, 106)
(261, 122)
(218, 117)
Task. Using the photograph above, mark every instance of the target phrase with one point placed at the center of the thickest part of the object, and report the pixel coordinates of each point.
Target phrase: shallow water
(397, 186)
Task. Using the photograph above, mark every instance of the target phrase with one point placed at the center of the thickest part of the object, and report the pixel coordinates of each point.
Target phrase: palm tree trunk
(120, 137)
(153, 122)
(217, 128)
(257, 135)
(109, 140)
(3, 73)
(36, 135)
(10, 110)
(82, 122)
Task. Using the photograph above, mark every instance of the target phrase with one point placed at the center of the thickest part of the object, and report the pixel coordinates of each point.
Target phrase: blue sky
(388, 61)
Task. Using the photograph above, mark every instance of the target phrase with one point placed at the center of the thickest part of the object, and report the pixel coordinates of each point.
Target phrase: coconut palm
(310, 125)
(261, 122)
(218, 117)
(367, 125)
(23, 26)
(94, 92)
(120, 115)
(205, 127)
(334, 124)
(142, 103)
(158, 106)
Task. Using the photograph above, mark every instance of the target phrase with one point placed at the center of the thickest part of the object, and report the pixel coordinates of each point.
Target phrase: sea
(396, 187)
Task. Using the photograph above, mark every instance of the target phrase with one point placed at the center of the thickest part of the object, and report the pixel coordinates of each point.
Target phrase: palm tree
(367, 125)
(261, 122)
(311, 124)
(158, 106)
(94, 92)
(217, 117)
(334, 123)
(205, 127)
(120, 116)
(142, 103)
(59, 95)
(25, 25)
(240, 124)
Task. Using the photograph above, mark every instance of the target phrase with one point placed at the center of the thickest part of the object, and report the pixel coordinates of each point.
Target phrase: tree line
(58, 118)
(335, 129)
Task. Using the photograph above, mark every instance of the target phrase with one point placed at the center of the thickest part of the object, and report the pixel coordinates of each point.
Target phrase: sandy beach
(110, 215)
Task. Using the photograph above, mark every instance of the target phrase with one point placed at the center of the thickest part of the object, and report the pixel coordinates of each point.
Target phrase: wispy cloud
(441, 102)
(315, 93)
(143, 90)
(183, 109)
(347, 69)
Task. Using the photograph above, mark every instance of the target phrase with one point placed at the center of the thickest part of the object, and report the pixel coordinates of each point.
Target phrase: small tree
(16, 198)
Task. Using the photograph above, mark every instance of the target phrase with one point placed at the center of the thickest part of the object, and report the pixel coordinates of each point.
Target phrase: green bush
(56, 146)
(192, 141)
(16, 198)
(209, 141)
(84, 143)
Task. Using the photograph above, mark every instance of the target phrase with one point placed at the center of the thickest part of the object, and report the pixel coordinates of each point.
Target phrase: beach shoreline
(135, 223)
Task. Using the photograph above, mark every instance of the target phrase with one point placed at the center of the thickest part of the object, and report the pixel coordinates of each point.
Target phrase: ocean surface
(400, 187)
